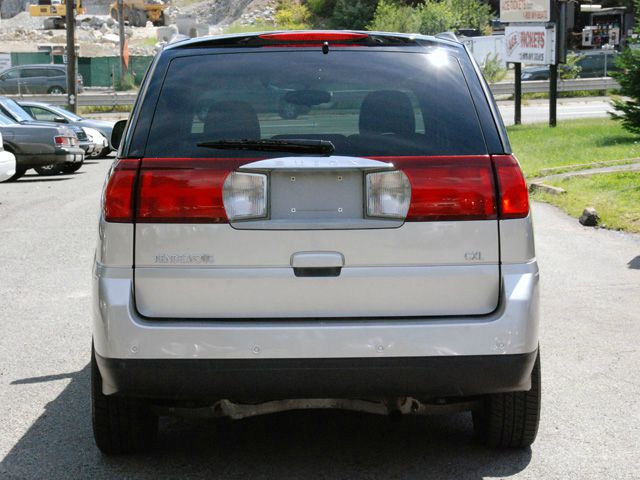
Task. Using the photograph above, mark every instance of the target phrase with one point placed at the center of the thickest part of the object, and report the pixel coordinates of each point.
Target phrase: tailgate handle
(317, 264)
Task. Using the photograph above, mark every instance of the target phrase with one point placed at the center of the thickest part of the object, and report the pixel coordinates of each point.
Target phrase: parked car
(42, 78)
(376, 254)
(39, 146)
(592, 65)
(52, 113)
(12, 109)
(99, 141)
(7, 163)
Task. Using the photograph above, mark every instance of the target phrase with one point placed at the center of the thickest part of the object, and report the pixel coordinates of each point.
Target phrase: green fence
(95, 71)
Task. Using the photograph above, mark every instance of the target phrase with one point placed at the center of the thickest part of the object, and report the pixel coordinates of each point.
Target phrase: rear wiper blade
(324, 147)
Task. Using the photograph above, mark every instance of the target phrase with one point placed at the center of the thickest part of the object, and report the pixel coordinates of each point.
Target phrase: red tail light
(174, 190)
(65, 141)
(449, 188)
(314, 36)
(118, 200)
(177, 190)
(514, 195)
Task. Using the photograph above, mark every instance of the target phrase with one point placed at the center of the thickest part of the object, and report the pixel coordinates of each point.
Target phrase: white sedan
(7, 164)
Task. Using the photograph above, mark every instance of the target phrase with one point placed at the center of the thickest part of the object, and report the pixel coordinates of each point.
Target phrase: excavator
(55, 10)
(138, 12)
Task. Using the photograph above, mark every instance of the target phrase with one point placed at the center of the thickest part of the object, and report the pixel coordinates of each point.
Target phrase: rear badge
(473, 256)
(184, 259)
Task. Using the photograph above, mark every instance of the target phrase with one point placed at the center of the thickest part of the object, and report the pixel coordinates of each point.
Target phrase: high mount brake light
(314, 36)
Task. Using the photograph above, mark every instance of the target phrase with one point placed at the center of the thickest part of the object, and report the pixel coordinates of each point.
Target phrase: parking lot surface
(589, 342)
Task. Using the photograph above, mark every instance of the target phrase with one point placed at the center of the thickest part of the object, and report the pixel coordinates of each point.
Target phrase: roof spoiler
(447, 36)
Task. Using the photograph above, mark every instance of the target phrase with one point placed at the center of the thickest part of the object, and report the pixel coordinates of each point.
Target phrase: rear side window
(34, 72)
(366, 103)
(55, 72)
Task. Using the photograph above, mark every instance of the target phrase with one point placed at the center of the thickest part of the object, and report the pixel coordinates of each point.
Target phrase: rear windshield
(366, 103)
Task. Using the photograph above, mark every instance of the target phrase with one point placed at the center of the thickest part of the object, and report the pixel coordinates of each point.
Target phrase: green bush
(492, 68)
(571, 69)
(393, 17)
(321, 8)
(431, 16)
(292, 15)
(353, 14)
(124, 83)
(436, 17)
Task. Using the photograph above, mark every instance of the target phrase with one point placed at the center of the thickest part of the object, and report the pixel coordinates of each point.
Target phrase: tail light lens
(449, 188)
(245, 196)
(514, 195)
(118, 200)
(388, 194)
(65, 141)
(174, 190)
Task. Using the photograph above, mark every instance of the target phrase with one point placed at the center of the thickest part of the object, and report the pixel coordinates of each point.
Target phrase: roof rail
(447, 36)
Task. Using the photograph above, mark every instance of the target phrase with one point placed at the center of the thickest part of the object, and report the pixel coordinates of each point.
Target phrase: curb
(543, 187)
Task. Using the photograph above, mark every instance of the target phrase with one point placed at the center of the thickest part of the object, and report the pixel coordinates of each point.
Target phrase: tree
(629, 79)
(353, 14)
(431, 16)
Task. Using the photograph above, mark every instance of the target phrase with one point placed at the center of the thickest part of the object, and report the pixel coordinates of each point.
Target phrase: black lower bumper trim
(269, 379)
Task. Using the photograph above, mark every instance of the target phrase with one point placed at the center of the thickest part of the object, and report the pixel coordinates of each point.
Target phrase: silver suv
(374, 252)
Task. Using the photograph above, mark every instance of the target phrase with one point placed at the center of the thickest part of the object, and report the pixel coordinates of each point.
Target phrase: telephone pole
(71, 55)
(123, 65)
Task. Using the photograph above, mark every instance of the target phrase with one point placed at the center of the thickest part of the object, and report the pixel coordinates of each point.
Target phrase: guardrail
(86, 99)
(542, 86)
(112, 99)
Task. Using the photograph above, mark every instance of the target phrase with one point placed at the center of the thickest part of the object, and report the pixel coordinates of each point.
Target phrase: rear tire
(20, 171)
(120, 424)
(56, 90)
(510, 420)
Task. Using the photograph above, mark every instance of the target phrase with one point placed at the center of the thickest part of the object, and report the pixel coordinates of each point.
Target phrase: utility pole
(518, 95)
(123, 65)
(560, 11)
(71, 55)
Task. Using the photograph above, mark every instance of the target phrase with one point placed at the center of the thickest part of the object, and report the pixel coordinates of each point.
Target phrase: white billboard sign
(519, 11)
(534, 45)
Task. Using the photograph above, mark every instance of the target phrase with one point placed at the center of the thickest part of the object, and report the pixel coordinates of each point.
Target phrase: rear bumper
(205, 380)
(121, 333)
(60, 157)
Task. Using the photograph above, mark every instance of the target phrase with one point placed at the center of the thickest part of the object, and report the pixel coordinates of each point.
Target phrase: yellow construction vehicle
(56, 10)
(138, 12)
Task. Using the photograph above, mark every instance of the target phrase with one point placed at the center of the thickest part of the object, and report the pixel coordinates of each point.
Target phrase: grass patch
(105, 109)
(572, 142)
(615, 196)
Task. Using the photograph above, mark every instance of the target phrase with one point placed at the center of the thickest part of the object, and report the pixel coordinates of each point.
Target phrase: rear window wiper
(324, 147)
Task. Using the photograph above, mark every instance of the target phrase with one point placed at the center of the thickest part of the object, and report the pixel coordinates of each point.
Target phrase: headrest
(387, 111)
(231, 121)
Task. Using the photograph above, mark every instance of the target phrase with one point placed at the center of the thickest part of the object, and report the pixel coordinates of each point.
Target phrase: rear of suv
(373, 253)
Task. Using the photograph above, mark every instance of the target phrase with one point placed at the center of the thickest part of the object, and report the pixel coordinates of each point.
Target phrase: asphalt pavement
(589, 339)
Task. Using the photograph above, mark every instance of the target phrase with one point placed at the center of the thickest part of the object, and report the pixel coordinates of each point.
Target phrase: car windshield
(6, 120)
(16, 110)
(63, 113)
(366, 103)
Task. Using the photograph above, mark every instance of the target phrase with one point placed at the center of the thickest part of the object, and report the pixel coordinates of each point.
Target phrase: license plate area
(325, 196)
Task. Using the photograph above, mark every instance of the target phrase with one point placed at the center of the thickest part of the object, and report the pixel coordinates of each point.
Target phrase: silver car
(374, 253)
